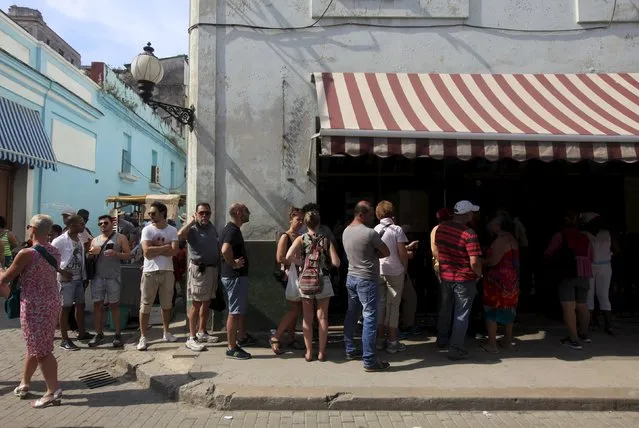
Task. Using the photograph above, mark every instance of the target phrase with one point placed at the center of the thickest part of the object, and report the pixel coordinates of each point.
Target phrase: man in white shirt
(159, 243)
(71, 280)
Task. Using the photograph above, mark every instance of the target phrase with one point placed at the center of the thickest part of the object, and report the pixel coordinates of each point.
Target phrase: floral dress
(501, 288)
(40, 303)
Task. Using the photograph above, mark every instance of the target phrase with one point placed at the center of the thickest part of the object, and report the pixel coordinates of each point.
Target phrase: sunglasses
(204, 213)
(152, 213)
(103, 223)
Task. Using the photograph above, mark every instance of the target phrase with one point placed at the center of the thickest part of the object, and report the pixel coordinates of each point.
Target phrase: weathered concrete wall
(256, 102)
(256, 106)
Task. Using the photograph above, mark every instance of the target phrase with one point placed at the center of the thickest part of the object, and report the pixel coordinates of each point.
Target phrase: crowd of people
(55, 266)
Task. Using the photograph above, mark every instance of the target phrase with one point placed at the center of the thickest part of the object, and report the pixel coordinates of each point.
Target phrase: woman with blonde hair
(39, 308)
(303, 253)
(288, 321)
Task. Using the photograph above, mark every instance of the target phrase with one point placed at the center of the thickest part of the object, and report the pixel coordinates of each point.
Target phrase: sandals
(488, 349)
(275, 346)
(321, 357)
(308, 359)
(48, 400)
(21, 391)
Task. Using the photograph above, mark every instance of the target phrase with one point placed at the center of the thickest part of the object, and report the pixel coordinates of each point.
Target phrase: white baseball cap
(464, 207)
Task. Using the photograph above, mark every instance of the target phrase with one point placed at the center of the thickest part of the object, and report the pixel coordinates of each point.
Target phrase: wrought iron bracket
(184, 115)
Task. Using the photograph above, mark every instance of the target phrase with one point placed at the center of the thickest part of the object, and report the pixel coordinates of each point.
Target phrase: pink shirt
(581, 246)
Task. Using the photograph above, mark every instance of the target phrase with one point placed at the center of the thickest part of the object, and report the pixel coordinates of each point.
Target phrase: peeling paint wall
(255, 102)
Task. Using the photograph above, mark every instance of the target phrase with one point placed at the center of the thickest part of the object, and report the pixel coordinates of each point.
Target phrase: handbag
(292, 292)
(90, 262)
(12, 304)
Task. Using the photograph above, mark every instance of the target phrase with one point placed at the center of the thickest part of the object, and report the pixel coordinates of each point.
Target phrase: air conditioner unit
(155, 174)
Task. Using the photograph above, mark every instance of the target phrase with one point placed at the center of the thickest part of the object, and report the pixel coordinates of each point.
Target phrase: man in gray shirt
(202, 271)
(364, 248)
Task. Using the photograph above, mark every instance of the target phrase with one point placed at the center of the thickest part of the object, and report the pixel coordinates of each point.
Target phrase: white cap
(464, 207)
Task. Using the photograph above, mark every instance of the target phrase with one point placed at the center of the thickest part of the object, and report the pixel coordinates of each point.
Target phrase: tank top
(4, 241)
(108, 267)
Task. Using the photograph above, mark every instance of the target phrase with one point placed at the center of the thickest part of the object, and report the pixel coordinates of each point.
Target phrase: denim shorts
(72, 292)
(237, 292)
(105, 290)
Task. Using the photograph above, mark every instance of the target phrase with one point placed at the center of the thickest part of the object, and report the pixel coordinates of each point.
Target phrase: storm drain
(97, 379)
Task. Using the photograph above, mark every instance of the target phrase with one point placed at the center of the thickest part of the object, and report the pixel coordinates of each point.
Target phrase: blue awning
(22, 136)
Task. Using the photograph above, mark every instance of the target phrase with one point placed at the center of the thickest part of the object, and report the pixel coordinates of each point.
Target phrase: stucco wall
(89, 126)
(256, 106)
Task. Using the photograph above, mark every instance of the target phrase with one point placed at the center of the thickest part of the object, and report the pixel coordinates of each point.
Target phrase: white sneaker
(168, 337)
(192, 344)
(205, 338)
(142, 344)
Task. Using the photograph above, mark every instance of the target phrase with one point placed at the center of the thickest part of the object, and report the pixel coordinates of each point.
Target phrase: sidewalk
(539, 375)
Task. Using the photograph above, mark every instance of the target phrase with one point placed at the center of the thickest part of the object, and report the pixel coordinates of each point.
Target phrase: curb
(205, 393)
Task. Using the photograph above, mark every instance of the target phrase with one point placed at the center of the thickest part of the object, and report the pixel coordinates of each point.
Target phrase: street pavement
(128, 404)
(539, 374)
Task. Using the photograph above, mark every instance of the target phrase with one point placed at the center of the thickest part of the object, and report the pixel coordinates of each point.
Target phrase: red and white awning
(519, 116)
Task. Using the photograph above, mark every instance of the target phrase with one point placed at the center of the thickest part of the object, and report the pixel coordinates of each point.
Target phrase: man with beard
(235, 281)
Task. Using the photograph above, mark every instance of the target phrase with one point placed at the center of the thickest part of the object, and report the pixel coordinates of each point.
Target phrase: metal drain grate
(98, 379)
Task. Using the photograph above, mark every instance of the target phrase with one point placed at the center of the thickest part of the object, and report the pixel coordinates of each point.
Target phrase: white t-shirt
(393, 234)
(167, 236)
(601, 245)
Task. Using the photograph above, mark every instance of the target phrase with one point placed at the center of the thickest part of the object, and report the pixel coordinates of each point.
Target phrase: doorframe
(11, 168)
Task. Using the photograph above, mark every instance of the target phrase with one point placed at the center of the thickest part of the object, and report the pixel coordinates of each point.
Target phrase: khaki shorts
(202, 285)
(152, 283)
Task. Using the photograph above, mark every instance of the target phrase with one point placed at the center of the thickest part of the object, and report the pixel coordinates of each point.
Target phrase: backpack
(565, 260)
(310, 282)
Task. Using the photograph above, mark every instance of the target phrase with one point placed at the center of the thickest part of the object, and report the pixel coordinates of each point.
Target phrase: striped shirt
(456, 243)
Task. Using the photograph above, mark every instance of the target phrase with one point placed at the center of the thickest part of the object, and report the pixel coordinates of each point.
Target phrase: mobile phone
(109, 246)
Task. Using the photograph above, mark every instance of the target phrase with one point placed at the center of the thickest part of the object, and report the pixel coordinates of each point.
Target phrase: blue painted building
(69, 138)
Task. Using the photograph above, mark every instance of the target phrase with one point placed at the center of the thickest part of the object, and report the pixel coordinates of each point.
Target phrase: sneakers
(117, 341)
(142, 344)
(380, 345)
(205, 338)
(355, 355)
(457, 354)
(572, 344)
(394, 347)
(238, 353)
(193, 345)
(585, 338)
(379, 366)
(247, 341)
(68, 345)
(85, 336)
(96, 340)
(168, 337)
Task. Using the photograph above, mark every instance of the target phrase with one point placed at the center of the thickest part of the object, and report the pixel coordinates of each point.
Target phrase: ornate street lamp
(147, 70)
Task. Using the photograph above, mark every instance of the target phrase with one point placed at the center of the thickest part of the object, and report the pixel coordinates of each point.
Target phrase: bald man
(235, 281)
(364, 247)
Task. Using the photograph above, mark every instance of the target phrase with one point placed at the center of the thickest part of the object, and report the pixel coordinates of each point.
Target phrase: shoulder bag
(12, 304)
(90, 263)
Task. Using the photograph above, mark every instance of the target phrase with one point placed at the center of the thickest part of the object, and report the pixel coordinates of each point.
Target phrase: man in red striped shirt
(459, 254)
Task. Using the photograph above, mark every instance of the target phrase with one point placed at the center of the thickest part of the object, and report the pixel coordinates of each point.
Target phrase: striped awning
(22, 136)
(519, 116)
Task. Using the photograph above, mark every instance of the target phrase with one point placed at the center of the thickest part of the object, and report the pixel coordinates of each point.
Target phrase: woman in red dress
(501, 282)
(40, 307)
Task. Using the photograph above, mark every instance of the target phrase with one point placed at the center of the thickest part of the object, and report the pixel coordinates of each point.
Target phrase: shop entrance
(536, 192)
